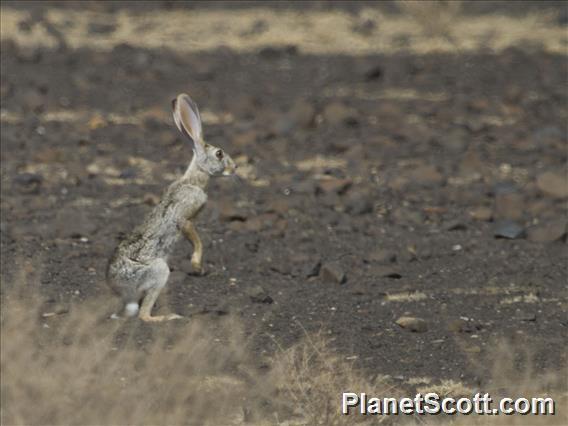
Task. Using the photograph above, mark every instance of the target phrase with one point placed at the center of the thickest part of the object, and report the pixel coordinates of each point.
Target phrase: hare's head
(209, 158)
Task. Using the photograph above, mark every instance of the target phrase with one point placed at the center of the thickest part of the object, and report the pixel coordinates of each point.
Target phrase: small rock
(475, 124)
(334, 185)
(398, 183)
(540, 207)
(406, 216)
(387, 272)
(313, 270)
(548, 134)
(508, 229)
(416, 325)
(337, 113)
(128, 173)
(302, 114)
(481, 213)
(426, 175)
(257, 294)
(74, 223)
(32, 100)
(373, 72)
(458, 325)
(339, 146)
(96, 122)
(455, 225)
(382, 256)
(455, 140)
(279, 228)
(229, 212)
(509, 204)
(28, 179)
(333, 272)
(358, 290)
(525, 316)
(279, 205)
(29, 183)
(553, 184)
(471, 166)
(260, 222)
(547, 232)
(308, 187)
(359, 204)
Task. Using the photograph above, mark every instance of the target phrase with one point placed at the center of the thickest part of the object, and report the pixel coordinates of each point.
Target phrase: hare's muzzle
(230, 167)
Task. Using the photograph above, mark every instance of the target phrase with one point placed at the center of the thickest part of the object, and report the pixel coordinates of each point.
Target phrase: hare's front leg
(155, 278)
(190, 233)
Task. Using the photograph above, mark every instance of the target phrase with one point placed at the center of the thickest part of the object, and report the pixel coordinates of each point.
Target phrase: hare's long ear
(187, 119)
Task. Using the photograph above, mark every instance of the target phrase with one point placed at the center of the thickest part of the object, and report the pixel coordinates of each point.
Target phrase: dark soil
(415, 222)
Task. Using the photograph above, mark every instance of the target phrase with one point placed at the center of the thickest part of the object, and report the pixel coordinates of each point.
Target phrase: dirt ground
(395, 160)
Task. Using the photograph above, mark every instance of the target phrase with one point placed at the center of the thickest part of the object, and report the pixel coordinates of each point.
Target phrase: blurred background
(403, 179)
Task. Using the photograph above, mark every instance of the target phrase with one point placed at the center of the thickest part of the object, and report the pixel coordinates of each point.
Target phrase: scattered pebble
(509, 204)
(548, 232)
(337, 113)
(382, 256)
(334, 185)
(481, 213)
(553, 184)
(359, 203)
(332, 272)
(426, 175)
(508, 229)
(258, 294)
(28, 179)
(416, 325)
(386, 271)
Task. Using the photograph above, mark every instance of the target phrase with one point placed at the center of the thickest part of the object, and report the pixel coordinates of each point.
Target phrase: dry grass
(77, 367)
(313, 377)
(423, 27)
(80, 368)
(436, 18)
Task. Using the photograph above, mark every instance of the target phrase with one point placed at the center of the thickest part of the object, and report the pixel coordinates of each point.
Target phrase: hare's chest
(193, 201)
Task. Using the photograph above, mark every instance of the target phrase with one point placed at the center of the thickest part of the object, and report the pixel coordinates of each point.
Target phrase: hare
(138, 269)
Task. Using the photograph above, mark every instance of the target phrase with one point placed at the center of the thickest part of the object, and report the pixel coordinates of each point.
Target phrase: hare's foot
(159, 318)
(197, 266)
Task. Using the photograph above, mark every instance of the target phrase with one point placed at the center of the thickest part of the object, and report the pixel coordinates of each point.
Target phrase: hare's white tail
(131, 309)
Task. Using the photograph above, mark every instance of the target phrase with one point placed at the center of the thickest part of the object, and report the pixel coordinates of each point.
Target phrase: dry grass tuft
(77, 367)
(313, 377)
(436, 18)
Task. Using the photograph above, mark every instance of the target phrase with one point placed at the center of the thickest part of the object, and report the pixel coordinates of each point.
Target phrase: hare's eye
(219, 154)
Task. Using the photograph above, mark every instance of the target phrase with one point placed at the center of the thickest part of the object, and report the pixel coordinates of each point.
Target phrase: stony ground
(411, 204)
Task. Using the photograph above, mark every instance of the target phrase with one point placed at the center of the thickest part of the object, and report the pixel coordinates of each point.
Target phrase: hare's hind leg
(154, 279)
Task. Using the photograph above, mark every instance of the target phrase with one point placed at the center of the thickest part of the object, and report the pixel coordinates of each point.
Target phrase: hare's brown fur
(138, 270)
